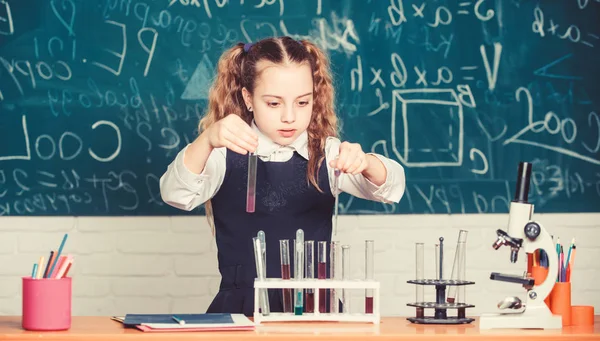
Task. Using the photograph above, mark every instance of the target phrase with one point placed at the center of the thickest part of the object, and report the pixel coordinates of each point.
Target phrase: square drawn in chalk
(427, 127)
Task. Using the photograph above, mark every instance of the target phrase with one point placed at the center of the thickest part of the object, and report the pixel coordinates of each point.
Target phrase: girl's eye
(273, 104)
(303, 103)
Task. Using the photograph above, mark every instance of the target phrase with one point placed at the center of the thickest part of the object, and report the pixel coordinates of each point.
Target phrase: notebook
(193, 322)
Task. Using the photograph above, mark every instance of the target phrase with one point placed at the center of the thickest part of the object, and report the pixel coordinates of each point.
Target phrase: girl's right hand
(233, 133)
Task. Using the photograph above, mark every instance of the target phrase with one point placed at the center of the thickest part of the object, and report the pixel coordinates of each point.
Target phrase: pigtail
(225, 94)
(225, 98)
(324, 122)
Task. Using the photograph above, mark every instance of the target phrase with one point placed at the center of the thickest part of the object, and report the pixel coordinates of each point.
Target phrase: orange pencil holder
(539, 274)
(560, 301)
(582, 315)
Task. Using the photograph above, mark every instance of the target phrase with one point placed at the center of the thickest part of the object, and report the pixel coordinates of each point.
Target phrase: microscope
(523, 233)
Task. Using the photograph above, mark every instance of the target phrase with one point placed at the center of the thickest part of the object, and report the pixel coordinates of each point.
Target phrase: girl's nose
(288, 115)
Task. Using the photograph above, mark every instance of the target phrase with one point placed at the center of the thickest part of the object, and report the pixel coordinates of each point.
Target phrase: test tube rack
(442, 302)
(316, 284)
(440, 305)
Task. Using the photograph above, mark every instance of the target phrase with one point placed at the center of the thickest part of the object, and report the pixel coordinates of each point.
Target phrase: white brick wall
(168, 264)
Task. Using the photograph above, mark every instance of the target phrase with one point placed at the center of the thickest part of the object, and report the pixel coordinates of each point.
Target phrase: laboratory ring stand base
(440, 307)
(277, 283)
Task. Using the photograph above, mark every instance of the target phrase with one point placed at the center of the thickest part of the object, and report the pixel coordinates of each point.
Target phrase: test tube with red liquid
(369, 265)
(309, 273)
(251, 188)
(284, 255)
(322, 274)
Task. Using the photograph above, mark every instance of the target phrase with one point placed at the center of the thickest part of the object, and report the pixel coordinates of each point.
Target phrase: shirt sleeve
(183, 189)
(391, 191)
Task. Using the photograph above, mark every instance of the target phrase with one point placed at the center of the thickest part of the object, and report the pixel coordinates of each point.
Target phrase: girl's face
(282, 101)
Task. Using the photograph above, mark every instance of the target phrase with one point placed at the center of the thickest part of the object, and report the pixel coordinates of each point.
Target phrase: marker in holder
(46, 304)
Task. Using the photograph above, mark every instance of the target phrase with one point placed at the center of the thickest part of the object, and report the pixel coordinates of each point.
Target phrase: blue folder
(132, 320)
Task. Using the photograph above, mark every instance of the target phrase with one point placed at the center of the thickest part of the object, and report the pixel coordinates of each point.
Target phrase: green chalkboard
(97, 97)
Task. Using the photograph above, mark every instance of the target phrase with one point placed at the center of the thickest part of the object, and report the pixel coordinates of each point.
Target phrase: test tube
(461, 291)
(369, 268)
(437, 261)
(322, 273)
(260, 272)
(345, 277)
(251, 189)
(336, 185)
(263, 247)
(441, 258)
(299, 271)
(456, 267)
(419, 275)
(309, 251)
(334, 259)
(284, 255)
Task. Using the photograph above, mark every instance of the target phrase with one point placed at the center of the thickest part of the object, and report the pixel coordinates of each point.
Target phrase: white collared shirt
(183, 189)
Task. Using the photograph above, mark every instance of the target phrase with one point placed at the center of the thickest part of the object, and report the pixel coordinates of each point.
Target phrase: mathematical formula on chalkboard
(98, 97)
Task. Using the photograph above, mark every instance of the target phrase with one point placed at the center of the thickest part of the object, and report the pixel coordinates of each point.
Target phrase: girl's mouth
(286, 132)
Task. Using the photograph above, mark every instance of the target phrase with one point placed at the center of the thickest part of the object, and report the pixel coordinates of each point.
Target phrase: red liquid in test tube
(309, 306)
(368, 305)
(284, 251)
(251, 188)
(322, 267)
(369, 265)
(309, 273)
(322, 274)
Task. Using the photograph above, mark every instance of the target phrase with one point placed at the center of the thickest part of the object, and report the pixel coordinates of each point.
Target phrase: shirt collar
(266, 146)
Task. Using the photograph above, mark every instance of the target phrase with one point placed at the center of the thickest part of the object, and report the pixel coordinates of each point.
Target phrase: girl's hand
(351, 159)
(233, 133)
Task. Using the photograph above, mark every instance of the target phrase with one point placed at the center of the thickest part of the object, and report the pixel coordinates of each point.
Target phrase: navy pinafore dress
(285, 202)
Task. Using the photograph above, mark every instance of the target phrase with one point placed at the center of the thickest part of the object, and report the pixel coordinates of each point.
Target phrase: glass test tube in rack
(314, 305)
(316, 285)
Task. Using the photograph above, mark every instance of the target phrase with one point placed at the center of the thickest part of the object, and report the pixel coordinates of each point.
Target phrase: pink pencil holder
(46, 304)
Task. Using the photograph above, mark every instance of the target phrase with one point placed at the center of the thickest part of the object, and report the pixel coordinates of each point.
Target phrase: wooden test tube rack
(316, 284)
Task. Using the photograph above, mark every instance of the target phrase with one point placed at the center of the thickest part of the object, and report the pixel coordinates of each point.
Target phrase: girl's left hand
(351, 159)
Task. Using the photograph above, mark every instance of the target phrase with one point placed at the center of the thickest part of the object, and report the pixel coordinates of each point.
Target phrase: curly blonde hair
(236, 69)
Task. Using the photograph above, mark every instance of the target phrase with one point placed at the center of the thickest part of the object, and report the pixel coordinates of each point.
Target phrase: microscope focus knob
(532, 230)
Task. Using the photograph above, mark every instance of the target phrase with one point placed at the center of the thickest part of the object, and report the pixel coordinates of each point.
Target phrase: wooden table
(101, 328)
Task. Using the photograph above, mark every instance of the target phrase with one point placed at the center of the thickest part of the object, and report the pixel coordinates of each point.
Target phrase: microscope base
(532, 317)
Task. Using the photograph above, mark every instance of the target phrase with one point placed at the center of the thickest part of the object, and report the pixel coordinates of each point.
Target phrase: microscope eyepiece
(523, 180)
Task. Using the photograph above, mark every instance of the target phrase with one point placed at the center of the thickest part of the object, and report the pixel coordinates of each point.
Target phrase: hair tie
(247, 47)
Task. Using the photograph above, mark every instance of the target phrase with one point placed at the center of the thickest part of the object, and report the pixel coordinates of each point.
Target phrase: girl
(273, 98)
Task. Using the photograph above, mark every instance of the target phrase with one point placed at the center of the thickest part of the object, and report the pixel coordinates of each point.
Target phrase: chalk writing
(566, 128)
(6, 21)
(97, 100)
